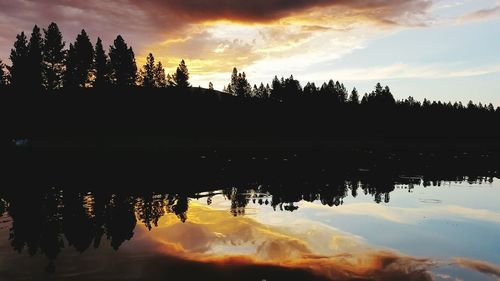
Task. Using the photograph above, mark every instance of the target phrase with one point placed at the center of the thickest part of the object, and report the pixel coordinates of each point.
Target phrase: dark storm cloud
(268, 10)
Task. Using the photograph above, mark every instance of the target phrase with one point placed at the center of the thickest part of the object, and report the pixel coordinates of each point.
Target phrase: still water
(415, 230)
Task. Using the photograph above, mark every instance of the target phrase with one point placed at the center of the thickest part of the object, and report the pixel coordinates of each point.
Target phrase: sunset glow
(422, 48)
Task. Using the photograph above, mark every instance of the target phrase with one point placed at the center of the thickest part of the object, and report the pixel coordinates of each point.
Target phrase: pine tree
(35, 60)
(159, 76)
(242, 88)
(53, 57)
(123, 63)
(101, 66)
(19, 58)
(255, 91)
(276, 88)
(234, 81)
(148, 77)
(378, 89)
(343, 94)
(263, 91)
(80, 62)
(170, 81)
(182, 75)
(69, 78)
(3, 75)
(354, 97)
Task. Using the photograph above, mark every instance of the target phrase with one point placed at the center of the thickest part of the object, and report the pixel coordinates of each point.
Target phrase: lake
(408, 229)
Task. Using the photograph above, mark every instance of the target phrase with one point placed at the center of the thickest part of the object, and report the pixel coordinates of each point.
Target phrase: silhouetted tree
(170, 81)
(69, 78)
(262, 92)
(181, 76)
(382, 97)
(210, 86)
(148, 74)
(255, 91)
(159, 76)
(4, 80)
(239, 85)
(354, 97)
(35, 60)
(471, 106)
(310, 89)
(292, 88)
(342, 93)
(19, 70)
(53, 57)
(123, 63)
(102, 70)
(243, 88)
(79, 63)
(276, 89)
(234, 81)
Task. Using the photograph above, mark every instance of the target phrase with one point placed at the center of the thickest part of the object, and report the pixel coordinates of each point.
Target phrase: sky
(436, 49)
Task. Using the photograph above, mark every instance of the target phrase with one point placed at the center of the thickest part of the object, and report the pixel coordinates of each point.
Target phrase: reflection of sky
(451, 231)
(453, 220)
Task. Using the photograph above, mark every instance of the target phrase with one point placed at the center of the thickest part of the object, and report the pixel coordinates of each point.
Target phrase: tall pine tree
(79, 62)
(354, 97)
(19, 58)
(148, 77)
(53, 57)
(101, 66)
(123, 63)
(181, 77)
(35, 60)
(159, 76)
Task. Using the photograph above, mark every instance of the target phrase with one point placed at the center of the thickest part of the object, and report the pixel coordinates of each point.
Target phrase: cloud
(218, 239)
(401, 71)
(480, 266)
(481, 15)
(148, 23)
(271, 10)
(409, 215)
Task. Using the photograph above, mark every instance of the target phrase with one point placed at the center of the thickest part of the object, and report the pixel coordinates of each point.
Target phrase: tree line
(289, 89)
(43, 63)
(147, 101)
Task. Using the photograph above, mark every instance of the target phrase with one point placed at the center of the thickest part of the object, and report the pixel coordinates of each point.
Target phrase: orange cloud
(224, 243)
(480, 266)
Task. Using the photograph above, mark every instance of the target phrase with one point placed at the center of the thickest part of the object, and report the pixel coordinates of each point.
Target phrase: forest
(51, 91)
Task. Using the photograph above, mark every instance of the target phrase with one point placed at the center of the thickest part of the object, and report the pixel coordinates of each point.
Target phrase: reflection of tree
(43, 221)
(150, 209)
(180, 207)
(120, 220)
(238, 200)
(36, 224)
(78, 226)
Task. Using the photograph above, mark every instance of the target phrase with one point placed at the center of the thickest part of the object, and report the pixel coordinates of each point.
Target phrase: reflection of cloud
(217, 238)
(408, 215)
(481, 15)
(481, 266)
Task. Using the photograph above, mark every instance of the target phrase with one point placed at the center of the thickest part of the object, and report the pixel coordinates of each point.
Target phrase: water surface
(414, 229)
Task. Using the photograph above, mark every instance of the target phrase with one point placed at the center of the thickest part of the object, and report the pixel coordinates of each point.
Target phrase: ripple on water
(430, 201)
